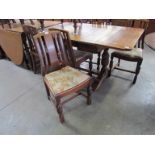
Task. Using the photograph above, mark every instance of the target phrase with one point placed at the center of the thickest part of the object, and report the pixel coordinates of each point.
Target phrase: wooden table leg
(104, 70)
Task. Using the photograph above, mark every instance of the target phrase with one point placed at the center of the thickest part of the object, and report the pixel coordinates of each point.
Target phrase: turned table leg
(103, 73)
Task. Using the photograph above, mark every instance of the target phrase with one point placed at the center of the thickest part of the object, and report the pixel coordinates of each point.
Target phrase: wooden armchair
(29, 32)
(64, 80)
(78, 56)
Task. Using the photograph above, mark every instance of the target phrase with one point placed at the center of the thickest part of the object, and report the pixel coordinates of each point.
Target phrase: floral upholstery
(134, 53)
(64, 79)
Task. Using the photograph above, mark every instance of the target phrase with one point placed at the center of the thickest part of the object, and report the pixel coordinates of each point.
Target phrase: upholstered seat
(65, 79)
(134, 53)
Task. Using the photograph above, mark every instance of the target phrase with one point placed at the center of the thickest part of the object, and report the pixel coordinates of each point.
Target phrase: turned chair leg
(142, 43)
(110, 66)
(88, 95)
(90, 67)
(60, 111)
(137, 71)
(26, 61)
(34, 64)
(47, 91)
(139, 41)
(98, 61)
(118, 64)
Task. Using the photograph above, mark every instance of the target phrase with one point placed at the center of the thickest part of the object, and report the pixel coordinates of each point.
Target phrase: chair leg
(60, 111)
(26, 61)
(90, 67)
(118, 64)
(139, 41)
(137, 71)
(47, 91)
(34, 64)
(88, 95)
(142, 43)
(98, 61)
(110, 66)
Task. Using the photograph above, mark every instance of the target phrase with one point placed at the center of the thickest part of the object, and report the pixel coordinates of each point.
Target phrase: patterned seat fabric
(64, 79)
(134, 53)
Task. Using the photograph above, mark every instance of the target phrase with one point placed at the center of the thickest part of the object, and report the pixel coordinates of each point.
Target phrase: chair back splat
(63, 46)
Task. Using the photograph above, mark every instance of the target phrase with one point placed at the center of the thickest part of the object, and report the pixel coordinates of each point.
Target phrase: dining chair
(121, 22)
(60, 78)
(135, 55)
(29, 32)
(141, 23)
(78, 56)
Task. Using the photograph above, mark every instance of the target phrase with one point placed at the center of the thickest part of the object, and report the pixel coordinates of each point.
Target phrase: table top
(150, 40)
(116, 37)
(11, 43)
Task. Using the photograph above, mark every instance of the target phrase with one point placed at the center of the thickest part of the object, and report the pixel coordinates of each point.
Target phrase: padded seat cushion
(134, 53)
(64, 79)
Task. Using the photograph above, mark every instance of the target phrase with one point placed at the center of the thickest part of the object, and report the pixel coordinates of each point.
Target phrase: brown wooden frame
(120, 56)
(29, 32)
(43, 47)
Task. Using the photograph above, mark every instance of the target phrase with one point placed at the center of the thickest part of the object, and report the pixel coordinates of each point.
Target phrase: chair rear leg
(118, 64)
(139, 42)
(26, 61)
(137, 71)
(142, 42)
(110, 66)
(98, 61)
(89, 95)
(34, 64)
(90, 67)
